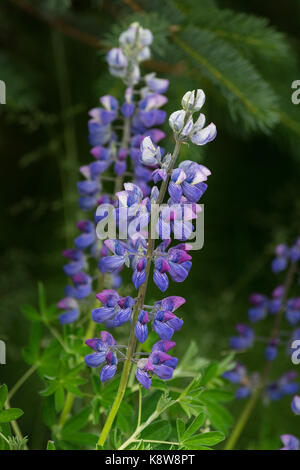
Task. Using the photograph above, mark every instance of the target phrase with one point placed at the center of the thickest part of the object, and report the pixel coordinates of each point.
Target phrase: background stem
(242, 421)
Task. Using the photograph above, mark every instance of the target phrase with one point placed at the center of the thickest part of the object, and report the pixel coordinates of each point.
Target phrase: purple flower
(293, 311)
(235, 375)
(159, 363)
(242, 392)
(141, 329)
(103, 348)
(296, 405)
(271, 352)
(157, 85)
(115, 310)
(285, 385)
(245, 338)
(166, 323)
(188, 180)
(290, 442)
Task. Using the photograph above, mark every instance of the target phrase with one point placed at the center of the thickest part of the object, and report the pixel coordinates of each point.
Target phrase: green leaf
(48, 411)
(217, 395)
(75, 423)
(180, 426)
(251, 101)
(218, 415)
(205, 439)
(51, 445)
(251, 34)
(31, 313)
(209, 373)
(159, 430)
(83, 439)
(226, 364)
(10, 415)
(194, 426)
(59, 398)
(164, 402)
(3, 395)
(31, 352)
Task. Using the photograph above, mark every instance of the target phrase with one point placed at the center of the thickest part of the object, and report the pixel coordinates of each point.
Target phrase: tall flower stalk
(141, 210)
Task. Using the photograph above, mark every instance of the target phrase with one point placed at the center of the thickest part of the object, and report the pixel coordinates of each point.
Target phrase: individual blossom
(141, 328)
(290, 442)
(295, 405)
(70, 308)
(285, 385)
(159, 363)
(104, 354)
(245, 338)
(188, 180)
(115, 310)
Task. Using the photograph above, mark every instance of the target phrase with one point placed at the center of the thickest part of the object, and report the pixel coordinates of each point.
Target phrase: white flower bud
(151, 155)
(193, 100)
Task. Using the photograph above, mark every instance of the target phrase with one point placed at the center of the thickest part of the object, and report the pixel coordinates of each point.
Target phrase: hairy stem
(242, 421)
(138, 306)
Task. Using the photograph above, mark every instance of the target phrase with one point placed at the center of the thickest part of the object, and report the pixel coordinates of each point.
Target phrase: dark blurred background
(52, 59)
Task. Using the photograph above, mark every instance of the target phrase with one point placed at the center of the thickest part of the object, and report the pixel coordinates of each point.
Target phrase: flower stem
(21, 380)
(138, 306)
(242, 421)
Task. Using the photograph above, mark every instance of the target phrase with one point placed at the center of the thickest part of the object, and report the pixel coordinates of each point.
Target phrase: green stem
(20, 382)
(242, 421)
(15, 426)
(4, 438)
(69, 164)
(139, 429)
(138, 306)
(158, 442)
(140, 407)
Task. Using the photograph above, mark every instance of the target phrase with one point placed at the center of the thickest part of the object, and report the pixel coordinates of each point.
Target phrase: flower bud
(176, 120)
(193, 100)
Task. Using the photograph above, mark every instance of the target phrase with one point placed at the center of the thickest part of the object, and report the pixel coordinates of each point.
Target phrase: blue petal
(95, 360)
(107, 372)
(175, 191)
(112, 263)
(177, 272)
(163, 372)
(144, 378)
(163, 330)
(141, 332)
(161, 280)
(102, 314)
(69, 317)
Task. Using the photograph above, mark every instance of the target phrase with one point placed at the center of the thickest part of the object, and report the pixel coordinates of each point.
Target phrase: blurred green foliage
(245, 56)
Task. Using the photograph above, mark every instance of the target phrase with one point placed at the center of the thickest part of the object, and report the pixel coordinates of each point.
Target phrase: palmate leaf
(252, 104)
